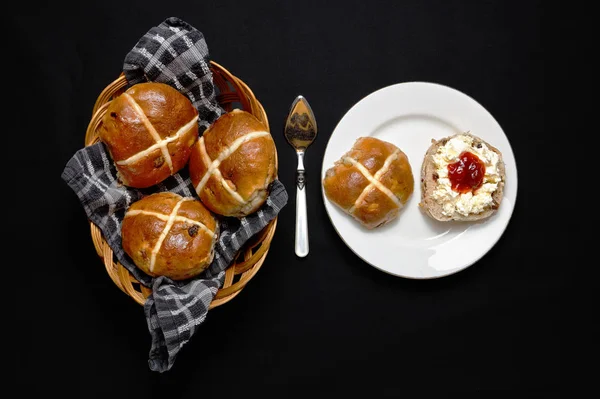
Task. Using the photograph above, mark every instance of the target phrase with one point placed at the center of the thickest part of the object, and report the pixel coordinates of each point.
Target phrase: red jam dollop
(466, 174)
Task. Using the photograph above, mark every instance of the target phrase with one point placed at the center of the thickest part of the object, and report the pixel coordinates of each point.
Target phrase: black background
(329, 324)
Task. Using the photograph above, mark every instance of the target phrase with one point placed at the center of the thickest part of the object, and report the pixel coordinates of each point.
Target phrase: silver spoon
(300, 131)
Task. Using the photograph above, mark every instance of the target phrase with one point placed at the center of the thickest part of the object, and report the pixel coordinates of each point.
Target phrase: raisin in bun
(482, 175)
(371, 182)
(149, 131)
(166, 234)
(233, 164)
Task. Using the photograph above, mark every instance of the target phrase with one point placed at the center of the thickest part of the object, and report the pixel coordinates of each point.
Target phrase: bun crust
(429, 183)
(371, 182)
(233, 164)
(166, 234)
(149, 131)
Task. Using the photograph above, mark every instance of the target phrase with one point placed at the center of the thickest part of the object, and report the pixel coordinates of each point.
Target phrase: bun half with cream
(462, 179)
(233, 164)
(149, 131)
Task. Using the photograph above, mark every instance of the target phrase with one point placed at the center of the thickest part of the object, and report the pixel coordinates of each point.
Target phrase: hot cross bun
(149, 131)
(233, 164)
(166, 234)
(371, 182)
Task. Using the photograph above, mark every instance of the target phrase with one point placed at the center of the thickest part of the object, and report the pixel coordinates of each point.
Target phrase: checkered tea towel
(174, 53)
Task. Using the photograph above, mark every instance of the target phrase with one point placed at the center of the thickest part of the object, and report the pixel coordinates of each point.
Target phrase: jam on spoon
(466, 174)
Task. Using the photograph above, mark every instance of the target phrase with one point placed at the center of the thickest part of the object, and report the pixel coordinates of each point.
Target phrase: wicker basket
(232, 93)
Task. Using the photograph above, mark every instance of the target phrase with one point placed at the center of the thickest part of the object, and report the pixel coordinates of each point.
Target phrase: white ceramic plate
(409, 115)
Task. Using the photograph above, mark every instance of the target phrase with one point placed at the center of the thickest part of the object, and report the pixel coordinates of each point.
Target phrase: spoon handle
(301, 217)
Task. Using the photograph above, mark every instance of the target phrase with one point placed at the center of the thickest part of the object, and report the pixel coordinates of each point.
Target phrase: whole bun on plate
(166, 234)
(462, 179)
(233, 164)
(371, 182)
(149, 131)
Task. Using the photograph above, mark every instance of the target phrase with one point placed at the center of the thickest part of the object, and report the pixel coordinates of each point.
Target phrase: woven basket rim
(250, 258)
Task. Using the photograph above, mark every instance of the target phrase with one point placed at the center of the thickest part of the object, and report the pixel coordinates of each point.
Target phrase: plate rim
(460, 93)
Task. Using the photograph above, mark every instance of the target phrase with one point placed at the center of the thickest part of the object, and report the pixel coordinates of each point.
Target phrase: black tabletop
(328, 325)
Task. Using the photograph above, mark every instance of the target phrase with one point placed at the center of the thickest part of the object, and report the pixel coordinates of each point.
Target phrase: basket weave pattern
(231, 92)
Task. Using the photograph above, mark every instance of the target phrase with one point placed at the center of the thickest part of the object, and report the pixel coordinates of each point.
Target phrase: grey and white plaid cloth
(176, 53)
(174, 310)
